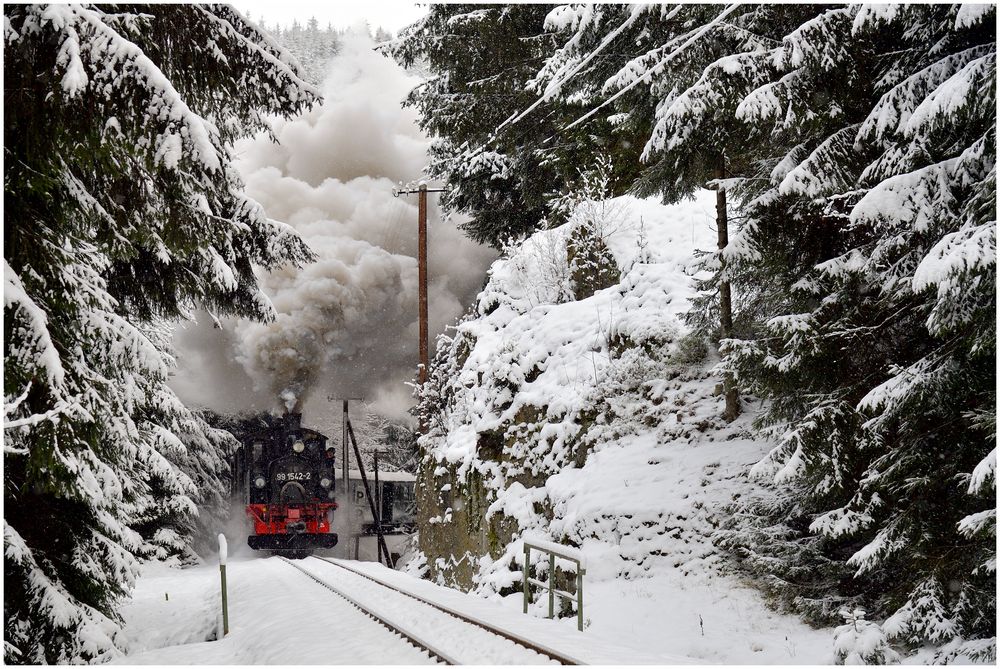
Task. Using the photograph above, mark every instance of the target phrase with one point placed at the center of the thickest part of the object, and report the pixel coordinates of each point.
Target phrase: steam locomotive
(285, 476)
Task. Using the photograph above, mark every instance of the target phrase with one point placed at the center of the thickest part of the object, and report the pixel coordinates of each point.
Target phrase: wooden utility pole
(422, 190)
(343, 460)
(725, 291)
(422, 278)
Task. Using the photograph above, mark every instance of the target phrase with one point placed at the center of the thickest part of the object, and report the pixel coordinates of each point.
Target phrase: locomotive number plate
(293, 476)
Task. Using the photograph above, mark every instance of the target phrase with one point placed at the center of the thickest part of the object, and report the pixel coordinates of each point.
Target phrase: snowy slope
(612, 441)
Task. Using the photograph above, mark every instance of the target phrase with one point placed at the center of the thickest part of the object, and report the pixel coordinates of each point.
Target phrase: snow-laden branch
(16, 297)
(555, 86)
(165, 101)
(34, 419)
(659, 66)
(283, 61)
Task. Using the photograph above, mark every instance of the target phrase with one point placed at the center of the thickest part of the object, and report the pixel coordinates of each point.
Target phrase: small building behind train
(395, 501)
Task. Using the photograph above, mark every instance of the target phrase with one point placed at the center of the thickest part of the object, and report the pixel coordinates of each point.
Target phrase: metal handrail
(553, 591)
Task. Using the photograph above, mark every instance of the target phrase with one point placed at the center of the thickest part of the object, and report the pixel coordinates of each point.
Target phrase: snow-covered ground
(276, 616)
(280, 616)
(660, 583)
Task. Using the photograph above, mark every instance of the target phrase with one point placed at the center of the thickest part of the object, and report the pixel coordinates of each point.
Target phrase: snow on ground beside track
(171, 606)
(659, 583)
(652, 620)
(644, 507)
(277, 615)
(560, 635)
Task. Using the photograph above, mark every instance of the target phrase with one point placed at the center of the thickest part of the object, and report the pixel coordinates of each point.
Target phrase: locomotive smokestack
(293, 420)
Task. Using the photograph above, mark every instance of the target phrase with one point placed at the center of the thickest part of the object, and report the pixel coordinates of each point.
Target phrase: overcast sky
(390, 14)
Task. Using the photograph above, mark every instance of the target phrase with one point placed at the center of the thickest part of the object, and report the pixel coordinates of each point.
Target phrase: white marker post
(223, 551)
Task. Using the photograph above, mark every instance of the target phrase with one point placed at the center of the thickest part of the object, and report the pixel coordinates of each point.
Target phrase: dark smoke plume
(347, 323)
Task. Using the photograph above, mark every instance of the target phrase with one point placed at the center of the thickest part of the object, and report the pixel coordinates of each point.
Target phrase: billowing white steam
(347, 324)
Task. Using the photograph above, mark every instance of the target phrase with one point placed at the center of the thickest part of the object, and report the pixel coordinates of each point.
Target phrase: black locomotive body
(285, 475)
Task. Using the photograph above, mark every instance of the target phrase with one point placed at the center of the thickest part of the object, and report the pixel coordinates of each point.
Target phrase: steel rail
(562, 658)
(392, 627)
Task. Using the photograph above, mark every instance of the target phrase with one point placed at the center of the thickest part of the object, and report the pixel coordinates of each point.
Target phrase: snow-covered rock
(574, 406)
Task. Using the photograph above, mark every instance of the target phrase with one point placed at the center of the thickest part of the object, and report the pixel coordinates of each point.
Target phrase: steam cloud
(347, 324)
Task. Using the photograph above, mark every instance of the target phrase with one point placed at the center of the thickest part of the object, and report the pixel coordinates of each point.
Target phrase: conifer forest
(712, 310)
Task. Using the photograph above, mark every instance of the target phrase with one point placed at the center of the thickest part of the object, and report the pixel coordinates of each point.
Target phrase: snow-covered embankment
(575, 406)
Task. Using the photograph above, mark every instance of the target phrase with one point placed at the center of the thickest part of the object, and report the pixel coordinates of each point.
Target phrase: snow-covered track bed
(460, 638)
(395, 629)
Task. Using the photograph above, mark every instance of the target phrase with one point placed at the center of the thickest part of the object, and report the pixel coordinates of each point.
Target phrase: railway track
(449, 636)
(441, 656)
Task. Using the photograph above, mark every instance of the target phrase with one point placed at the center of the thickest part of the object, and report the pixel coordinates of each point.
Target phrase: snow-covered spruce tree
(312, 47)
(122, 211)
(860, 641)
(671, 74)
(878, 224)
(771, 534)
(480, 59)
(501, 168)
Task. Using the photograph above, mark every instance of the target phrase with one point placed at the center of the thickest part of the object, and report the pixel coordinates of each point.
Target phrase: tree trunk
(725, 292)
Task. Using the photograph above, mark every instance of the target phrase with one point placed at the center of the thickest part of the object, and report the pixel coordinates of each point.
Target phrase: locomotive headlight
(260, 482)
(298, 446)
(325, 482)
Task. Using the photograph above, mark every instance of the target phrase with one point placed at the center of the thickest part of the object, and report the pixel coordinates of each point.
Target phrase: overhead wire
(391, 234)
(670, 56)
(555, 85)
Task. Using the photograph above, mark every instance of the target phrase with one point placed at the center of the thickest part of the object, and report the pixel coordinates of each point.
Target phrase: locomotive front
(290, 487)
